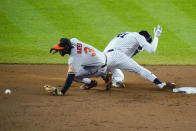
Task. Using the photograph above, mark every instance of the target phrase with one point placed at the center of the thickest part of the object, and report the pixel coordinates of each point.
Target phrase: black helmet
(146, 35)
(63, 47)
(65, 41)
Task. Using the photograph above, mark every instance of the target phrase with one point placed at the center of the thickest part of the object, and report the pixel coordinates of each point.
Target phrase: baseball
(8, 92)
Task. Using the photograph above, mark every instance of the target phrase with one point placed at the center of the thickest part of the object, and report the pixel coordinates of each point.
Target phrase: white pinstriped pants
(119, 60)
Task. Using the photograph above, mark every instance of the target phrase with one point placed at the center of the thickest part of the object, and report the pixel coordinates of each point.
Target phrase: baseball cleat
(169, 86)
(89, 86)
(119, 84)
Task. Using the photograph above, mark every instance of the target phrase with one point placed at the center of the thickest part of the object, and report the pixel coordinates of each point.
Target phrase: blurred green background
(29, 28)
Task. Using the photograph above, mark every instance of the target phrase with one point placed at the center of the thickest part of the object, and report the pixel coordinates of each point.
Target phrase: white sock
(161, 85)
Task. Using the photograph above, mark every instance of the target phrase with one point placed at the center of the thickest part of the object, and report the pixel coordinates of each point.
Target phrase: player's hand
(53, 51)
(157, 31)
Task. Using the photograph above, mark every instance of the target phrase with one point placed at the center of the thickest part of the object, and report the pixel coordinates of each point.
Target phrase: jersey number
(86, 49)
(122, 35)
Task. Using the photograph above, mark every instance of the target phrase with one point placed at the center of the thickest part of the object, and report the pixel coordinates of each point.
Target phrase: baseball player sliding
(84, 62)
(123, 47)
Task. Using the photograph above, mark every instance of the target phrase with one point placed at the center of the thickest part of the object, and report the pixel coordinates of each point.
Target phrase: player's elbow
(152, 51)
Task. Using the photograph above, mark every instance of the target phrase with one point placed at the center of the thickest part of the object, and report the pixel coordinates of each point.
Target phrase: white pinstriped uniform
(127, 42)
(120, 50)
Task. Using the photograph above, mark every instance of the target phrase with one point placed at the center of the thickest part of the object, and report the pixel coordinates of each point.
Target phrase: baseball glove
(108, 80)
(53, 90)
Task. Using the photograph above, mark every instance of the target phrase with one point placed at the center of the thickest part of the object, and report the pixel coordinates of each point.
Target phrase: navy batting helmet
(146, 35)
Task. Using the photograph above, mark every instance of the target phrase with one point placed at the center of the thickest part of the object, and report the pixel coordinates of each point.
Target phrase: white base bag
(186, 90)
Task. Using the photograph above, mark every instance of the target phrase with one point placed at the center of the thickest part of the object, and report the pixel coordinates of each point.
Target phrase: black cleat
(169, 86)
(89, 86)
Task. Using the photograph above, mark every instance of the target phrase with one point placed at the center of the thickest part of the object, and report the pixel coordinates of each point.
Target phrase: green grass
(29, 28)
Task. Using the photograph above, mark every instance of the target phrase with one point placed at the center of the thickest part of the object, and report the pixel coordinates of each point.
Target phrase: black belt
(110, 50)
(105, 62)
(106, 58)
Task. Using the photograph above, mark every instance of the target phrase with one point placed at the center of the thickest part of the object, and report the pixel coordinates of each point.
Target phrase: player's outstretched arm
(68, 83)
(151, 48)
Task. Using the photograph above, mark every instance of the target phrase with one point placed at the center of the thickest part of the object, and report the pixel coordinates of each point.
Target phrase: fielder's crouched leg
(118, 84)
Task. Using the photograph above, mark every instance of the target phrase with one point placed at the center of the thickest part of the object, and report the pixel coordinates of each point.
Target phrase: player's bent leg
(146, 74)
(167, 86)
(121, 61)
(114, 65)
(117, 78)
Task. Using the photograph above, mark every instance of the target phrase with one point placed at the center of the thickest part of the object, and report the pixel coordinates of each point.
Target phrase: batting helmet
(146, 35)
(63, 47)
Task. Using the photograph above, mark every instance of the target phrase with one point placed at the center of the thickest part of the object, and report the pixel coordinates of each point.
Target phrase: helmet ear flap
(146, 35)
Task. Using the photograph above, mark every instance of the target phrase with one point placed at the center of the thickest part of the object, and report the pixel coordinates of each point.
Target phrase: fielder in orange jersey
(84, 62)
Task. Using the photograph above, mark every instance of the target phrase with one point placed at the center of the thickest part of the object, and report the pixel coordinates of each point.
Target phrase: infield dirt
(139, 106)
